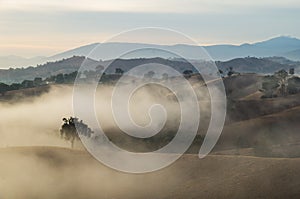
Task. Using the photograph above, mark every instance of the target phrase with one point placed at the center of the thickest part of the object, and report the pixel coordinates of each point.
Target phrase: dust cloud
(36, 163)
(37, 122)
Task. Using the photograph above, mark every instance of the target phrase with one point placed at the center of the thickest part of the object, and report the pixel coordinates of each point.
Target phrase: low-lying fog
(50, 172)
(37, 122)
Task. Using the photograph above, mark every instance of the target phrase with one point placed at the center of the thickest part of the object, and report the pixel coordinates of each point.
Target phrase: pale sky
(37, 27)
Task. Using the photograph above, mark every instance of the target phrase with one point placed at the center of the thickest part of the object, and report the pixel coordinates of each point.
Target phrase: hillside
(46, 70)
(242, 85)
(49, 172)
(69, 65)
(293, 55)
(256, 65)
(271, 135)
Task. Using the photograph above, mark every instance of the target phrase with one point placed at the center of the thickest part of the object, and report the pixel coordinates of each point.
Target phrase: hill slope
(62, 173)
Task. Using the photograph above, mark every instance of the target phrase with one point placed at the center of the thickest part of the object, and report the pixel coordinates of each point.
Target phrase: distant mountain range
(283, 46)
(69, 65)
(287, 47)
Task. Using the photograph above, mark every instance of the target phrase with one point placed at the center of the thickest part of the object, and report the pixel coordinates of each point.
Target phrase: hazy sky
(37, 27)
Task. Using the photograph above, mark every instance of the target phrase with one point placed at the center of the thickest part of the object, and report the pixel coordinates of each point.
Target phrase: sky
(31, 28)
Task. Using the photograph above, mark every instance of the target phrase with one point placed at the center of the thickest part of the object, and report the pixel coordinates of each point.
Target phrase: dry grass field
(52, 172)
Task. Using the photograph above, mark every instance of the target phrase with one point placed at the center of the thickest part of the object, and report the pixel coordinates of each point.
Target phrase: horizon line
(144, 43)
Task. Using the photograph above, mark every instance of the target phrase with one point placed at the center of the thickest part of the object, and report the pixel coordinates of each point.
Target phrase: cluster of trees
(293, 86)
(61, 78)
(72, 128)
(38, 81)
(16, 86)
(281, 83)
(88, 75)
(229, 72)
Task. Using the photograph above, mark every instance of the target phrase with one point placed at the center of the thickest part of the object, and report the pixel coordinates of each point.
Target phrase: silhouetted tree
(3, 88)
(27, 84)
(71, 129)
(292, 71)
(188, 73)
(230, 72)
(59, 79)
(119, 71)
(15, 86)
(37, 81)
(70, 78)
(280, 82)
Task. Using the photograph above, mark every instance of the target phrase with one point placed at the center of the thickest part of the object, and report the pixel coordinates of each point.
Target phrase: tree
(3, 88)
(27, 84)
(37, 81)
(149, 75)
(71, 129)
(59, 79)
(279, 81)
(282, 76)
(14, 86)
(119, 71)
(188, 73)
(70, 78)
(165, 76)
(230, 72)
(292, 71)
(293, 85)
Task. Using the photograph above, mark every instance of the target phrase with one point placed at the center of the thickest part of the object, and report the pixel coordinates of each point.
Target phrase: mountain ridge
(69, 65)
(283, 46)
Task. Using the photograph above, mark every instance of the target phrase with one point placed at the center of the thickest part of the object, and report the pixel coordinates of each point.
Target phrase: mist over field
(36, 122)
(30, 139)
(253, 151)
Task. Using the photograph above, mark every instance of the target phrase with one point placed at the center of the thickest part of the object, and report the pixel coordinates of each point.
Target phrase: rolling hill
(49, 172)
(257, 65)
(69, 65)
